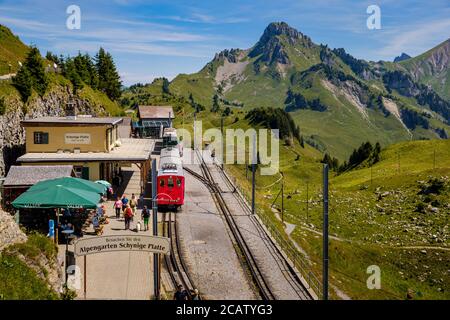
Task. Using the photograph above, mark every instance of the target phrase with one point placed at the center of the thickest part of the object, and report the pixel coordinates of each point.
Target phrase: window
(41, 138)
(170, 182)
(161, 182)
(78, 171)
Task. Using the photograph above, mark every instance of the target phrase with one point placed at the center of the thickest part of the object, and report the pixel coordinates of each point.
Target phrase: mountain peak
(403, 56)
(273, 42)
(280, 28)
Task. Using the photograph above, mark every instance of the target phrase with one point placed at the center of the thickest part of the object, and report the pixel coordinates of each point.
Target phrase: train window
(170, 182)
(178, 182)
(161, 182)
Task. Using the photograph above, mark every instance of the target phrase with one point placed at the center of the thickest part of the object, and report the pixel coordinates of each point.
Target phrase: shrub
(2, 106)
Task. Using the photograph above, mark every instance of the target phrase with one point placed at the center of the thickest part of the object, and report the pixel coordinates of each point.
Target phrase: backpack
(128, 213)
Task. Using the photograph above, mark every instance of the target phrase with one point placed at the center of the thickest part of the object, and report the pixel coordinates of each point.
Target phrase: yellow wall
(56, 139)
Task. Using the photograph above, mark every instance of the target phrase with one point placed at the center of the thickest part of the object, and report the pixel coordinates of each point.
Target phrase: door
(85, 173)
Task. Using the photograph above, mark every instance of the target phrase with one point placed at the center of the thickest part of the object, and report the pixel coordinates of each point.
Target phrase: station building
(91, 145)
(153, 120)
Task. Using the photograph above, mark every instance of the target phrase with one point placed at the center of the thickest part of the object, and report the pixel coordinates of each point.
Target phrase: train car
(170, 180)
(170, 139)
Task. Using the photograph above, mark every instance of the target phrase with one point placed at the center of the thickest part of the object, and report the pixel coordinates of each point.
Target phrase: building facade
(91, 145)
(153, 120)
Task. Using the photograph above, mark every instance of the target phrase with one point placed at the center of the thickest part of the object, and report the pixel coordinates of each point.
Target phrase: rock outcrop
(12, 135)
(10, 232)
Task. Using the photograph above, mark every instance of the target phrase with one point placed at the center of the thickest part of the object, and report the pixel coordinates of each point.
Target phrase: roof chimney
(70, 110)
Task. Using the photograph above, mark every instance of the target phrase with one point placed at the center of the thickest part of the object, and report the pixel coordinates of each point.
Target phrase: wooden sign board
(137, 243)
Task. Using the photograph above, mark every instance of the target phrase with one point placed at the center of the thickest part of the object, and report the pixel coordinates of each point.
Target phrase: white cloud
(415, 40)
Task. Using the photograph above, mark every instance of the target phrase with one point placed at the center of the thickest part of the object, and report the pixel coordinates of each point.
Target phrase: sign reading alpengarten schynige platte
(122, 243)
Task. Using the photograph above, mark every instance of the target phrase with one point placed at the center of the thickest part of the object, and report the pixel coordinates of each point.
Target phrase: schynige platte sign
(103, 244)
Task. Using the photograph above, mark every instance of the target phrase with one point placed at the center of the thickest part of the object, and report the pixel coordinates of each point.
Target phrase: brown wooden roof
(156, 112)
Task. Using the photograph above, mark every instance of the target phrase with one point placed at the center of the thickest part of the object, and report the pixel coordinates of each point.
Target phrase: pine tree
(165, 86)
(23, 83)
(215, 106)
(31, 76)
(108, 77)
(36, 68)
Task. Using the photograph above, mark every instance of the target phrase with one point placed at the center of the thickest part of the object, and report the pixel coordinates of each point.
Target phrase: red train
(170, 187)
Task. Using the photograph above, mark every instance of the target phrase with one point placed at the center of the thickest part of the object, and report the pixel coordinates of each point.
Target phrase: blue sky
(155, 38)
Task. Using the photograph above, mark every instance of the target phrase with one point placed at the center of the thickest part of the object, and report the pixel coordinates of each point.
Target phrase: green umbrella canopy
(104, 183)
(70, 182)
(57, 196)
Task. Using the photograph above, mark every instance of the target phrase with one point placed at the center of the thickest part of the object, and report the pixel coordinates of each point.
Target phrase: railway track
(287, 271)
(177, 269)
(258, 277)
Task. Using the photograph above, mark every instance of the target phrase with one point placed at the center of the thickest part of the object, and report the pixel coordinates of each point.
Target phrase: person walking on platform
(180, 294)
(145, 216)
(133, 203)
(118, 207)
(124, 202)
(128, 214)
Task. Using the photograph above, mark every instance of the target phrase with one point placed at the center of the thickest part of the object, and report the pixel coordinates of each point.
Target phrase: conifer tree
(108, 77)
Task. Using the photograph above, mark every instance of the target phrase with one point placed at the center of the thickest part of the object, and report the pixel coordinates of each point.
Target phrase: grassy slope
(365, 236)
(12, 50)
(440, 82)
(18, 281)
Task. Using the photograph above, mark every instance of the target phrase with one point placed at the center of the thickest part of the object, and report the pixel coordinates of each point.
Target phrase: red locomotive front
(170, 188)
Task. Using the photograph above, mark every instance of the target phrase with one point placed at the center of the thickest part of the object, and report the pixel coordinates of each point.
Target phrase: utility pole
(282, 197)
(325, 232)
(307, 202)
(371, 176)
(253, 173)
(223, 140)
(156, 270)
(195, 130)
(246, 169)
(434, 159)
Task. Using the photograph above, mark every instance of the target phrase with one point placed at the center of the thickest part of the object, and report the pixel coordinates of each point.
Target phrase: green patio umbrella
(104, 183)
(70, 182)
(57, 196)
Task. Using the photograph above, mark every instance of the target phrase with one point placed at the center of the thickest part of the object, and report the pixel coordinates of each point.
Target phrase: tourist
(118, 207)
(124, 202)
(145, 216)
(128, 215)
(133, 203)
(195, 295)
(141, 200)
(180, 294)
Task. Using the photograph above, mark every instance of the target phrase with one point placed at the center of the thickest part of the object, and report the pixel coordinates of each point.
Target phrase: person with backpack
(124, 202)
(128, 214)
(133, 203)
(145, 216)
